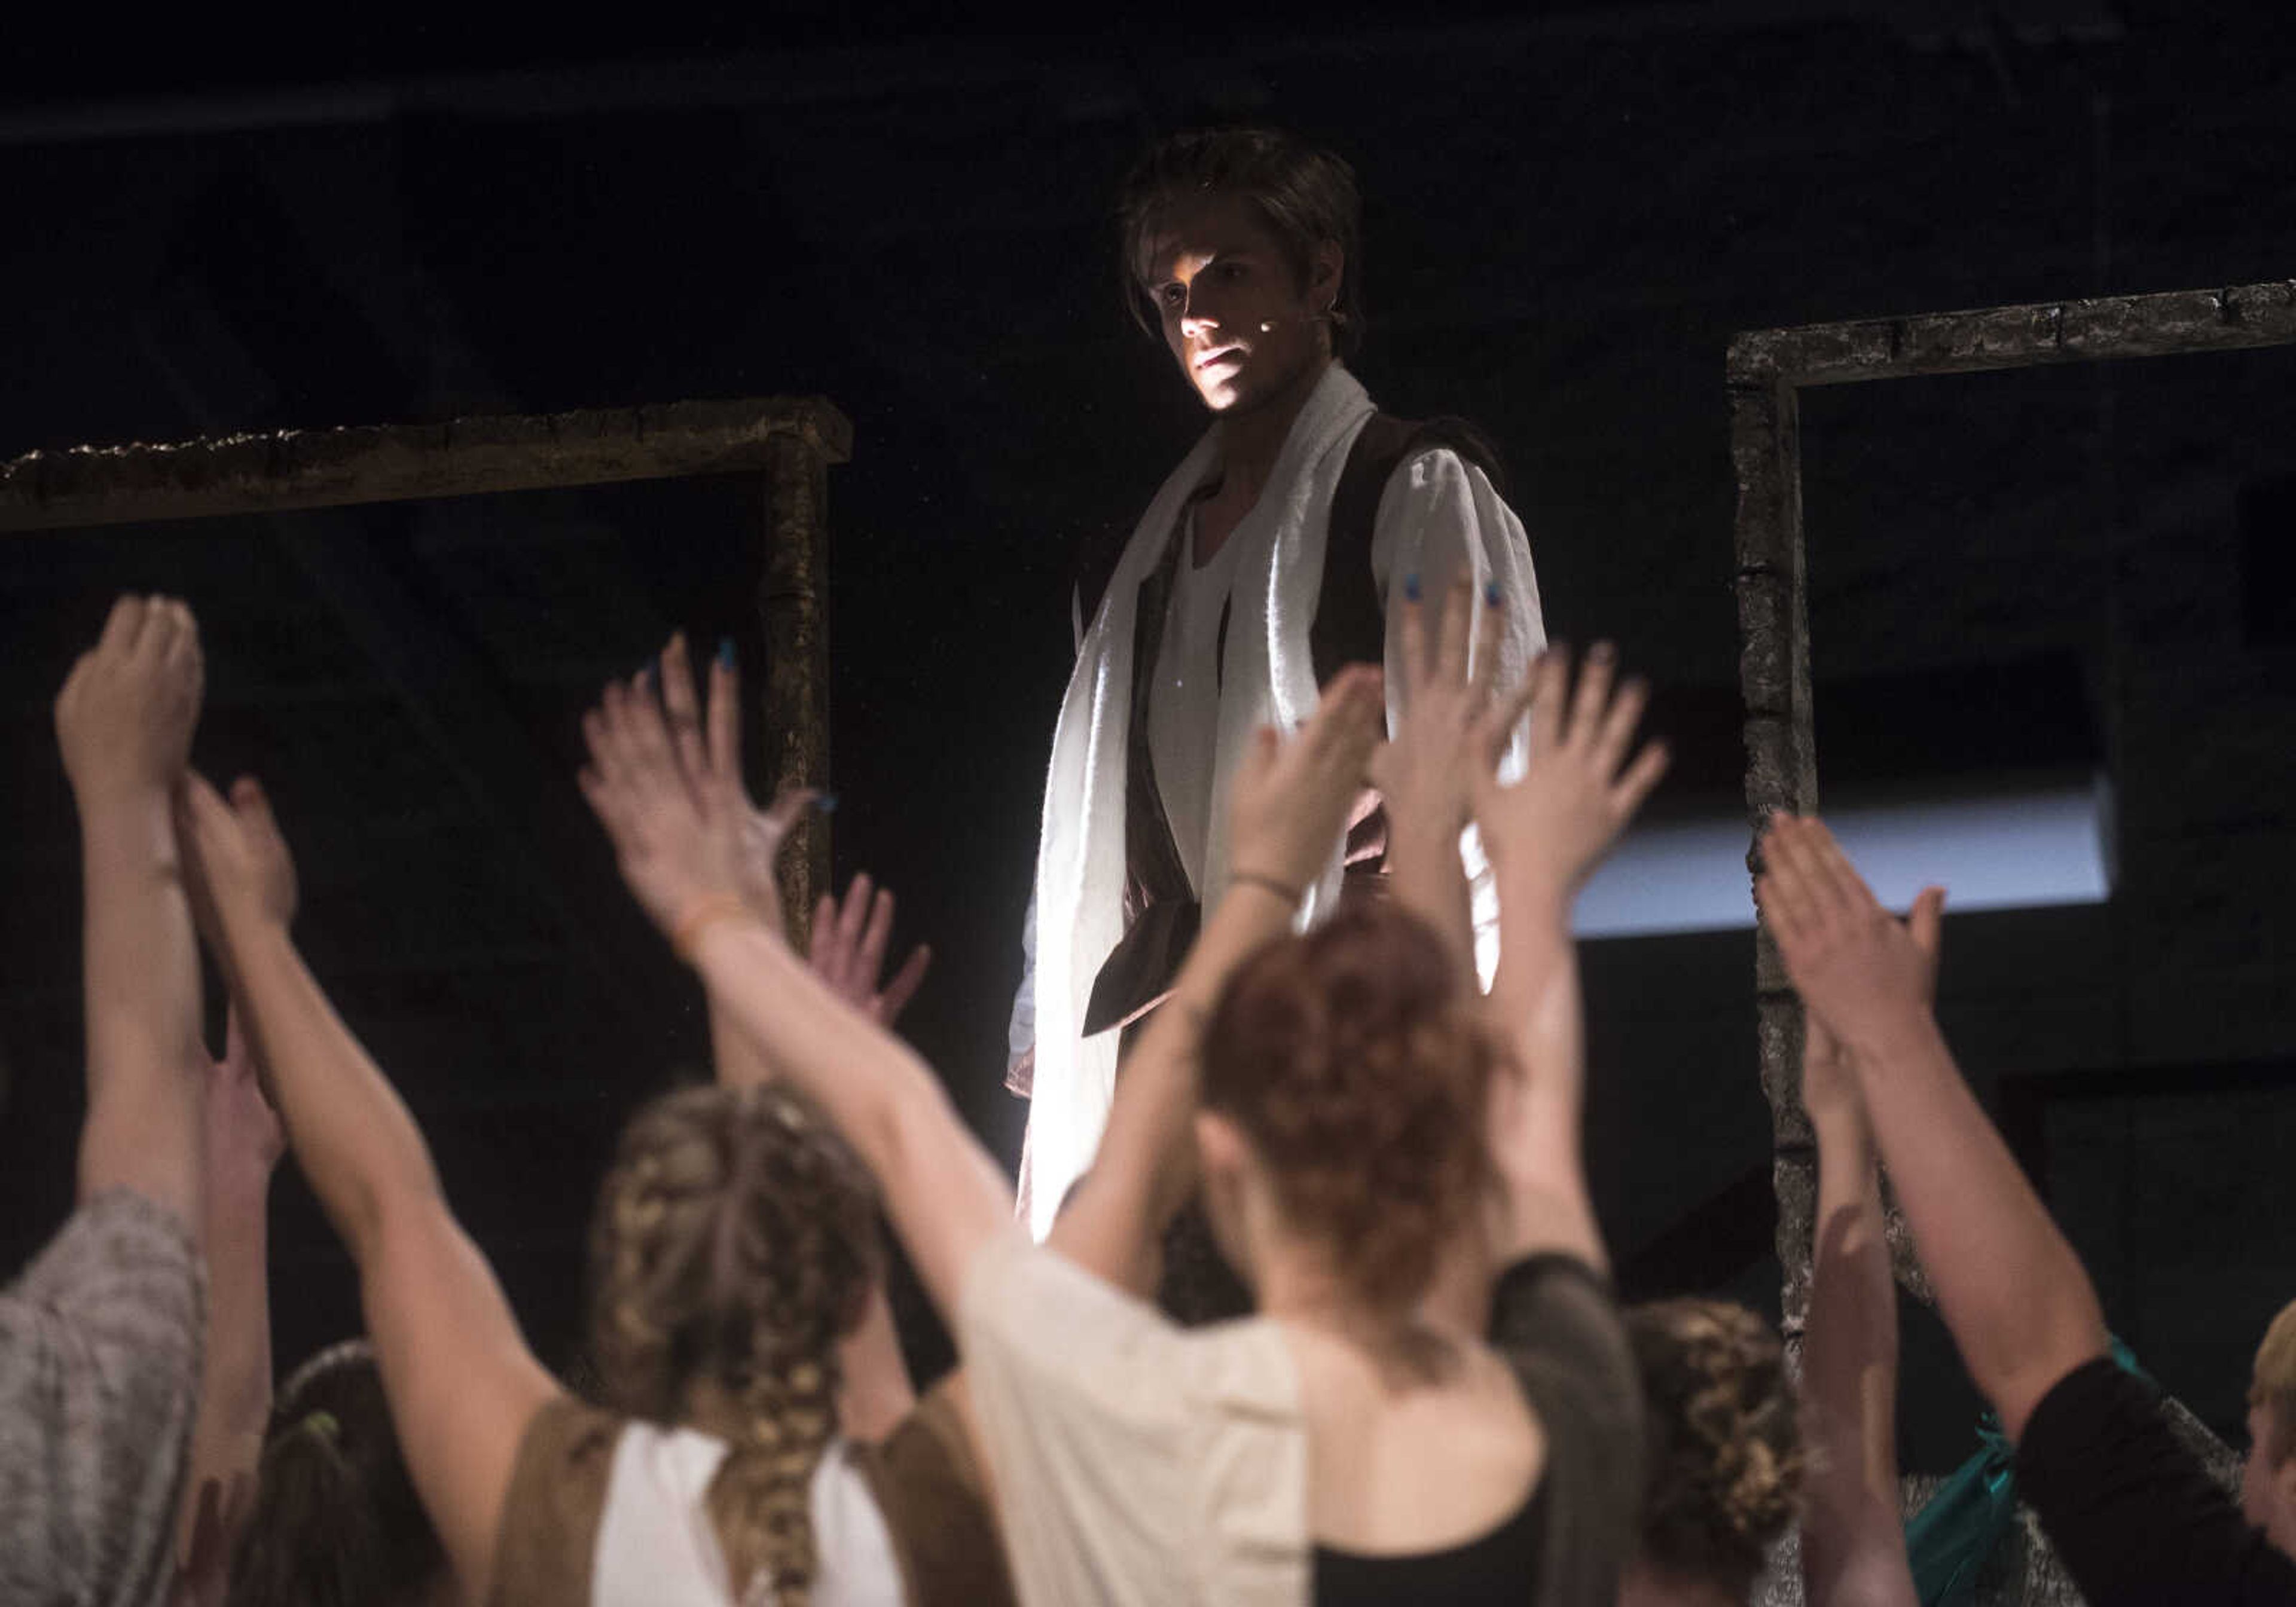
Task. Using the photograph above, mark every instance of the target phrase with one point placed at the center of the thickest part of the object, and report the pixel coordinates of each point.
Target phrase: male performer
(1264, 564)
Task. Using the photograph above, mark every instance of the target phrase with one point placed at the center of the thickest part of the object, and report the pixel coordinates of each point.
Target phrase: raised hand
(1450, 730)
(1829, 1085)
(1857, 967)
(1549, 830)
(239, 863)
(125, 716)
(1289, 800)
(848, 952)
(670, 796)
(713, 763)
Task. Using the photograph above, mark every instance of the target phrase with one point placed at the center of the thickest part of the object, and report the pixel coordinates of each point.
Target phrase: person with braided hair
(1340, 1446)
(735, 1265)
(1726, 1461)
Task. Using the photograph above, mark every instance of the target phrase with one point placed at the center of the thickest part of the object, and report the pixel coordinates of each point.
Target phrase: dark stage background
(1571, 207)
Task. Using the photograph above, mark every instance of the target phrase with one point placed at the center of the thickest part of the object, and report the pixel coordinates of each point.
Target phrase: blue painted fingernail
(1411, 588)
(725, 653)
(1491, 593)
(826, 803)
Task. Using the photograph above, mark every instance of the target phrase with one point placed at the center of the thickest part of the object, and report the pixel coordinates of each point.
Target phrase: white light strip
(2020, 850)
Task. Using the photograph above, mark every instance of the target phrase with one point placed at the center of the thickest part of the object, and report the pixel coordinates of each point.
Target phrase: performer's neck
(1252, 437)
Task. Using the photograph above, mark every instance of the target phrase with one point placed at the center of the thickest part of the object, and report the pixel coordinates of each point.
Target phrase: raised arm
(1545, 834)
(462, 1384)
(1288, 809)
(2019, 1307)
(1426, 773)
(849, 940)
(241, 1146)
(847, 950)
(679, 853)
(124, 722)
(1853, 1538)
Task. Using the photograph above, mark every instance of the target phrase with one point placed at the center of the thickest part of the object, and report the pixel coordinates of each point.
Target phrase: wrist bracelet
(699, 916)
(1289, 895)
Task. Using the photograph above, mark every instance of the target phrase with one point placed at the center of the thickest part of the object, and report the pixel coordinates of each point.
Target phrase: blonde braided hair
(1724, 1453)
(735, 1244)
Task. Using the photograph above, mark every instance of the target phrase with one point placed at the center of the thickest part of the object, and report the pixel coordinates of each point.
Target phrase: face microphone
(1268, 327)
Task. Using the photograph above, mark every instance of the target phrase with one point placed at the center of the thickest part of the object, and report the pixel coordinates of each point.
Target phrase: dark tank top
(1499, 1568)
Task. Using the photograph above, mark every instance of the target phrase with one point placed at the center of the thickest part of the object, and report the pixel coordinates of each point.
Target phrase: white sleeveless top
(656, 1544)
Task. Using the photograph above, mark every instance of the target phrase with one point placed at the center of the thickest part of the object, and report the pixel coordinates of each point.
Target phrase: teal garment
(1949, 1539)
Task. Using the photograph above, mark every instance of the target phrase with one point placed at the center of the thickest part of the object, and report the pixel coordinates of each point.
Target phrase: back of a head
(335, 1521)
(1725, 1457)
(1358, 1069)
(1305, 195)
(735, 1244)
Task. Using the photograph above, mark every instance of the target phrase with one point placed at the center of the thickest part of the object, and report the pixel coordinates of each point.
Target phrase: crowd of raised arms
(1436, 1398)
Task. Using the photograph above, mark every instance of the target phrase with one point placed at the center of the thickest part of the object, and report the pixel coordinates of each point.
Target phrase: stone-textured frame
(1766, 371)
(787, 443)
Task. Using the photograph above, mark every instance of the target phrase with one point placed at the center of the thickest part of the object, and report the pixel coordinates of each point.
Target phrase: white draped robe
(1438, 514)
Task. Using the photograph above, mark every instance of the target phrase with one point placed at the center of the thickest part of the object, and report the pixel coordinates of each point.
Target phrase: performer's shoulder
(1387, 443)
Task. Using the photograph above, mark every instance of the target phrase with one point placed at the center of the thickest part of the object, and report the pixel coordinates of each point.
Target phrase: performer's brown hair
(1360, 1071)
(1725, 1459)
(735, 1244)
(335, 1521)
(1304, 194)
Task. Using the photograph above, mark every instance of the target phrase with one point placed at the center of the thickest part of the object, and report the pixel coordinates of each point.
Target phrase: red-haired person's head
(1346, 1078)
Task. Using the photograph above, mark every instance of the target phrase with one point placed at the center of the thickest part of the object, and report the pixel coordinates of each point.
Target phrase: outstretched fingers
(1616, 728)
(1785, 894)
(904, 984)
(1483, 654)
(1550, 682)
(1347, 720)
(1839, 882)
(683, 706)
(1416, 664)
(1592, 696)
(876, 938)
(1628, 792)
(1457, 631)
(122, 627)
(780, 818)
(649, 762)
(725, 718)
(1925, 923)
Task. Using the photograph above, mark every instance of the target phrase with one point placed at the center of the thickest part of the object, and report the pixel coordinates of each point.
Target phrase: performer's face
(1237, 318)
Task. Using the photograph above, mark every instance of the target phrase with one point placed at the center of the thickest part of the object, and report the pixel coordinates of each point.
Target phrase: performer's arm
(1546, 834)
(1286, 814)
(241, 1148)
(846, 947)
(1853, 1539)
(1427, 772)
(2019, 1307)
(462, 1384)
(679, 843)
(124, 723)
